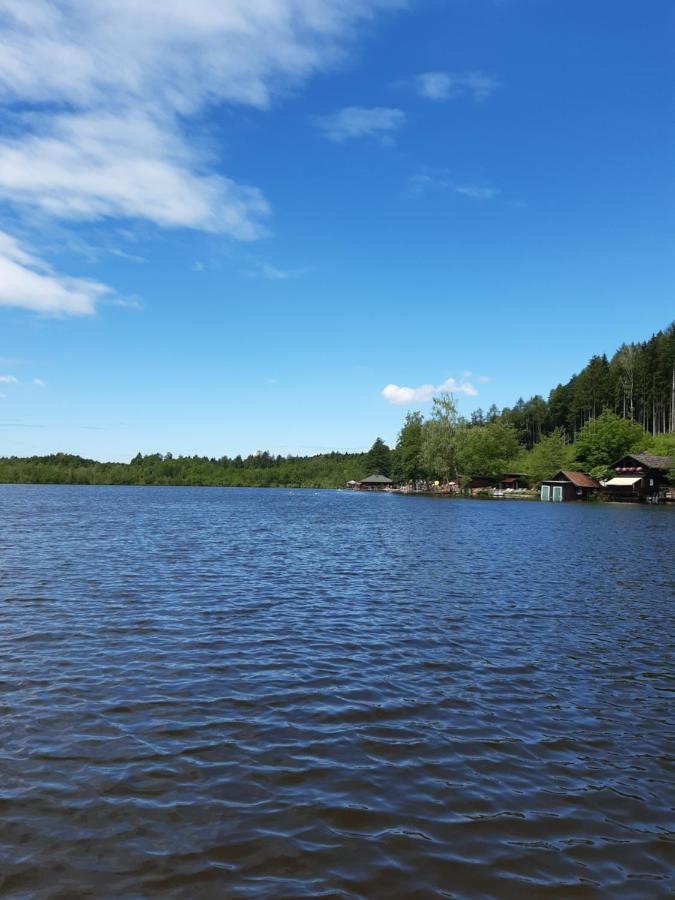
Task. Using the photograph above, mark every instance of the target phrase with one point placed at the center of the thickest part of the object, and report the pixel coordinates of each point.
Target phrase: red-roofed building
(569, 486)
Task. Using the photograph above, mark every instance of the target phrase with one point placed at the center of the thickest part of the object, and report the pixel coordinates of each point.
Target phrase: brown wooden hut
(481, 482)
(512, 481)
(567, 486)
(640, 477)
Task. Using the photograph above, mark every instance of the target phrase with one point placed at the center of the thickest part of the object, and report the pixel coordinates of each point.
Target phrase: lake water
(234, 693)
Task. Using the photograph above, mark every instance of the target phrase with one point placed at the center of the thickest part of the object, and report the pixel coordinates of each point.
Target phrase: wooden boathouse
(640, 477)
(566, 486)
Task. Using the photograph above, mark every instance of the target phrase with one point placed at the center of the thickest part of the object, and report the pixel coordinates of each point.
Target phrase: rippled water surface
(235, 693)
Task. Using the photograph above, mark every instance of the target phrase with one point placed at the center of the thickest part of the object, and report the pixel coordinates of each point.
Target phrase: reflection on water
(232, 693)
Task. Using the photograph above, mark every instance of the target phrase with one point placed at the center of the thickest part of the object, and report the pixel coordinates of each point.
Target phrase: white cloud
(453, 85)
(95, 166)
(176, 55)
(275, 273)
(130, 257)
(28, 282)
(405, 396)
(433, 85)
(423, 183)
(8, 379)
(359, 121)
(39, 382)
(477, 193)
(440, 180)
(102, 99)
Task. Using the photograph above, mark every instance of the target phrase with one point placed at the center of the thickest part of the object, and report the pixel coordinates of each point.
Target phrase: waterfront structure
(512, 481)
(374, 483)
(507, 481)
(567, 486)
(640, 477)
(481, 483)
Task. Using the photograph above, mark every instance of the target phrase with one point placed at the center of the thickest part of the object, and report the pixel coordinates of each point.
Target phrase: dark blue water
(229, 693)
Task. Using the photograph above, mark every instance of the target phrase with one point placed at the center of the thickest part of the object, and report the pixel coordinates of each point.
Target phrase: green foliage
(408, 464)
(378, 459)
(612, 407)
(552, 454)
(328, 470)
(661, 445)
(439, 433)
(636, 383)
(601, 472)
(486, 449)
(604, 440)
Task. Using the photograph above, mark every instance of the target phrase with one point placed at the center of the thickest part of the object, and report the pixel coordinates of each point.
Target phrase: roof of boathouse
(578, 479)
(377, 479)
(649, 460)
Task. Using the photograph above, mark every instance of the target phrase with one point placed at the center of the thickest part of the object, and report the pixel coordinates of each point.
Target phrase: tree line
(446, 447)
(637, 383)
(612, 407)
(257, 470)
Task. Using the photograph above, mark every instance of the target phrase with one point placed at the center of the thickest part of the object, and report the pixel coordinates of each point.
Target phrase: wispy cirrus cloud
(440, 180)
(26, 281)
(476, 192)
(263, 269)
(380, 122)
(406, 396)
(12, 379)
(97, 166)
(129, 257)
(102, 126)
(242, 51)
(440, 86)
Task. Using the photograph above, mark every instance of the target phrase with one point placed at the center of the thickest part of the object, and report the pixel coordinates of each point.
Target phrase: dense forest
(257, 470)
(613, 406)
(637, 383)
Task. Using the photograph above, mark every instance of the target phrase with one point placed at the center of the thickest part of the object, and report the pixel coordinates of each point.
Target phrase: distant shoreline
(531, 497)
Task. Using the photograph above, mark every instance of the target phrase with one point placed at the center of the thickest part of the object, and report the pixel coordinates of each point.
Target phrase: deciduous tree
(603, 440)
(408, 454)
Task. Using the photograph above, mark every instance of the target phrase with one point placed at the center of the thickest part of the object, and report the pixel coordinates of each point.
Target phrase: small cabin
(512, 481)
(481, 483)
(375, 483)
(566, 486)
(640, 477)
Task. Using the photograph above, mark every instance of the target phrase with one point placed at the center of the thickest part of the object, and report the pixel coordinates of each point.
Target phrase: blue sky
(244, 224)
